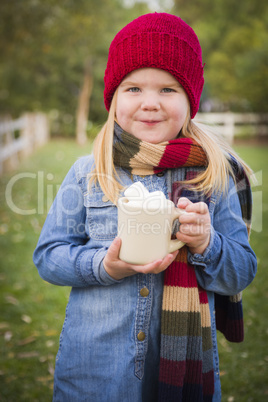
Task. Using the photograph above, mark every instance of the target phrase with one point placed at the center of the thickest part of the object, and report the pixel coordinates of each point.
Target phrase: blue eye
(168, 90)
(134, 89)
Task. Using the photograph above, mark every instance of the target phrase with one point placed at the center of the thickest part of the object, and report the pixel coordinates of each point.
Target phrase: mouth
(150, 122)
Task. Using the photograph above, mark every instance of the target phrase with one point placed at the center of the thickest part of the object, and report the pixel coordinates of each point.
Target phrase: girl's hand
(119, 269)
(195, 227)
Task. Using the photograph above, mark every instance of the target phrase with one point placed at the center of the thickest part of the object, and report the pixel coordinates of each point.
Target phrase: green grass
(243, 366)
(32, 311)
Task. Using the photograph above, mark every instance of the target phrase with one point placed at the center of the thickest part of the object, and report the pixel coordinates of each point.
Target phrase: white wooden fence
(235, 125)
(19, 138)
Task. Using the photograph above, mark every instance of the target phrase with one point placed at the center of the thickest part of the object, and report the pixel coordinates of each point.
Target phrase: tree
(83, 105)
(233, 37)
(44, 45)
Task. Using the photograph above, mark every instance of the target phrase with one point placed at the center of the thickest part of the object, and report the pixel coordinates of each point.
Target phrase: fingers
(192, 218)
(192, 231)
(198, 207)
(195, 225)
(189, 206)
(183, 202)
(157, 266)
(197, 214)
(167, 260)
(119, 269)
(113, 251)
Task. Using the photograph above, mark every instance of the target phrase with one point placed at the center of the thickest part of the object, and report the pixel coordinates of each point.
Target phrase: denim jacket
(100, 357)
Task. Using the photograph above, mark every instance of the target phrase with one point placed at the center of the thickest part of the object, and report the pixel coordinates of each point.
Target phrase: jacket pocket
(101, 218)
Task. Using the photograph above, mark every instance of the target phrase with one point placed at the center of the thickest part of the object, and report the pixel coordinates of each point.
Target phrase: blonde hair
(104, 172)
(214, 178)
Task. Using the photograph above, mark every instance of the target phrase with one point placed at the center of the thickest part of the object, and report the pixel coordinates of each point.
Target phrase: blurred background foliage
(45, 46)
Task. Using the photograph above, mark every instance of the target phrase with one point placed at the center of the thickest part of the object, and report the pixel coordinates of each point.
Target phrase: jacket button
(141, 336)
(144, 292)
(105, 198)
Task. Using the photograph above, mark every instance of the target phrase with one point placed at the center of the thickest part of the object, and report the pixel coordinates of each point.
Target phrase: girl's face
(151, 105)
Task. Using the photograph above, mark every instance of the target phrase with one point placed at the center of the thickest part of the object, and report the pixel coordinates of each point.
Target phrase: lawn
(32, 311)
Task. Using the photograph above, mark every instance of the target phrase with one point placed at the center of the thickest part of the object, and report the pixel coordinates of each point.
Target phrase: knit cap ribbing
(156, 40)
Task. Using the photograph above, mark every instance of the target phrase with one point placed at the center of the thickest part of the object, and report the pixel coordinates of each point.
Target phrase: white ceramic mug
(146, 230)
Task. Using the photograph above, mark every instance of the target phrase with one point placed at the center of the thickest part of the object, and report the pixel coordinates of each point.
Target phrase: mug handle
(176, 244)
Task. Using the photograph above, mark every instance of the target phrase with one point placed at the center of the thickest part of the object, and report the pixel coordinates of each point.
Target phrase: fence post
(41, 129)
(12, 162)
(27, 133)
(229, 127)
(33, 131)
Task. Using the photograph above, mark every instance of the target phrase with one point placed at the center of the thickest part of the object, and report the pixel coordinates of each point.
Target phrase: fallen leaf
(18, 286)
(3, 229)
(25, 341)
(44, 379)
(50, 343)
(226, 346)
(51, 332)
(35, 224)
(51, 369)
(27, 355)
(4, 325)
(11, 300)
(252, 313)
(8, 335)
(26, 318)
(50, 357)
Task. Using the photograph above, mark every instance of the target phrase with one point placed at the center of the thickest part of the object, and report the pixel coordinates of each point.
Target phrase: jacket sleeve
(63, 256)
(229, 264)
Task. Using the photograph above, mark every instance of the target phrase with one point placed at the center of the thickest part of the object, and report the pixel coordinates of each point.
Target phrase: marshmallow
(136, 190)
(139, 196)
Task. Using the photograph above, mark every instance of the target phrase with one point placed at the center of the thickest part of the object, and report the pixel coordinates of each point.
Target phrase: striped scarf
(186, 355)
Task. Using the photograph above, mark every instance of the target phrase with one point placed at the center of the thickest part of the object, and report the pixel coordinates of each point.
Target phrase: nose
(150, 102)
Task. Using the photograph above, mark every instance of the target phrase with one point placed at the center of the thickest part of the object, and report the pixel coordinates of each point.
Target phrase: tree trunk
(83, 106)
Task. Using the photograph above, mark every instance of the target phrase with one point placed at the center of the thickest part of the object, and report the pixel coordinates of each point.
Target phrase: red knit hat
(156, 40)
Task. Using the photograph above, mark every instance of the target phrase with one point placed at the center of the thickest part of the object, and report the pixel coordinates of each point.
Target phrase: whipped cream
(139, 197)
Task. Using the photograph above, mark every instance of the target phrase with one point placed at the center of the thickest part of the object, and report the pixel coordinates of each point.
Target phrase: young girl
(146, 333)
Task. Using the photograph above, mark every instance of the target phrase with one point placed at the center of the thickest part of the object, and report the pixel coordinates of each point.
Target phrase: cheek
(178, 117)
(180, 113)
(119, 113)
(122, 120)
(124, 115)
(121, 107)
